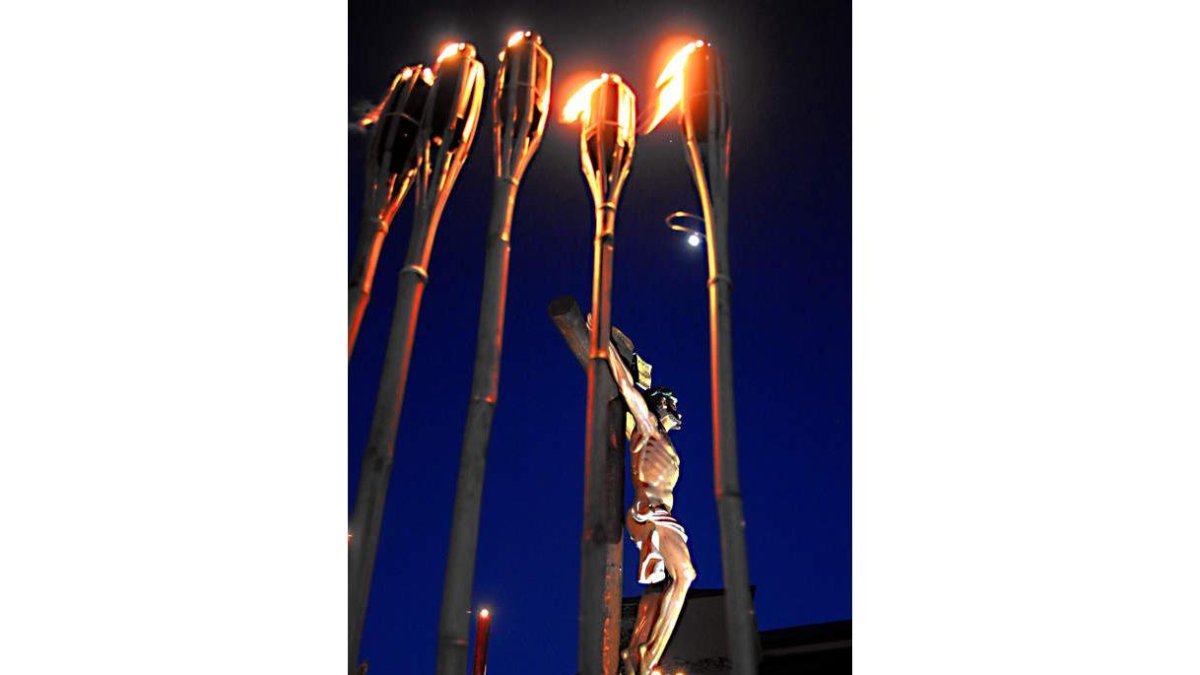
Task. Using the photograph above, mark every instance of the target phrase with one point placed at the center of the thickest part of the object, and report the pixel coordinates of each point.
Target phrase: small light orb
(694, 239)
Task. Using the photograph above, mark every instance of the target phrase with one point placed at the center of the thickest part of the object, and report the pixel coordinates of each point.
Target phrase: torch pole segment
(362, 271)
(614, 511)
(705, 121)
(468, 497)
(595, 545)
(447, 129)
(520, 103)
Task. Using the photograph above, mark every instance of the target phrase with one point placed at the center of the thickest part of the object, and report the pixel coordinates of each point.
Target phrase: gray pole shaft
(455, 622)
(601, 389)
(739, 608)
(367, 520)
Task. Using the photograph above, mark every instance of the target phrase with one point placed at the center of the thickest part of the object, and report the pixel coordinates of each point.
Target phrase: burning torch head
(693, 83)
(450, 118)
(705, 112)
(521, 102)
(452, 110)
(606, 107)
(393, 149)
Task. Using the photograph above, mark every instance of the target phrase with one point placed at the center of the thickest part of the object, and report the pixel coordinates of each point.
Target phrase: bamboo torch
(605, 108)
(520, 106)
(694, 82)
(447, 130)
(392, 159)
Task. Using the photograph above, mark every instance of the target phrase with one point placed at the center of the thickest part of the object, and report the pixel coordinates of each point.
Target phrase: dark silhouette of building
(699, 646)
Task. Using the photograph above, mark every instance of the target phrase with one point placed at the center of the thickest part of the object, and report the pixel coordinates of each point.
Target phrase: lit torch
(448, 125)
(520, 106)
(392, 159)
(606, 111)
(694, 83)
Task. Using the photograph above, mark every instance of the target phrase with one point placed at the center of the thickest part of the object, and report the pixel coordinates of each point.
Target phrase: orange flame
(515, 39)
(579, 106)
(450, 50)
(670, 84)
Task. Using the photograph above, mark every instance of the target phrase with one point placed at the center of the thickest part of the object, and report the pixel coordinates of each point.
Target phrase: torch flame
(517, 37)
(450, 50)
(579, 106)
(670, 84)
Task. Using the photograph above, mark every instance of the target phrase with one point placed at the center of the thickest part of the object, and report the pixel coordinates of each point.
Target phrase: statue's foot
(628, 665)
(644, 668)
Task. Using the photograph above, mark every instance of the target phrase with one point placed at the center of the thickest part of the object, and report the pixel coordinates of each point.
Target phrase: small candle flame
(483, 614)
(670, 84)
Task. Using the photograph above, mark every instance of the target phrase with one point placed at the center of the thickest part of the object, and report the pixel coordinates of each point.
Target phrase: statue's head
(662, 402)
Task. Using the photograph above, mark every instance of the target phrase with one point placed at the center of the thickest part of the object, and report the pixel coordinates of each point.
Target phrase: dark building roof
(699, 646)
(815, 649)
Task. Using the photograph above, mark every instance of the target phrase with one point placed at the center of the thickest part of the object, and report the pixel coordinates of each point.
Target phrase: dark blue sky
(790, 234)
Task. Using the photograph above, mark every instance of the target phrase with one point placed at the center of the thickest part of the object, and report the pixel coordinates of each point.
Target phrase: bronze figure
(664, 563)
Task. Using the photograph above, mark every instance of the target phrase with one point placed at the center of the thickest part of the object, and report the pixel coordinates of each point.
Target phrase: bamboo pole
(611, 523)
(448, 128)
(705, 122)
(607, 108)
(593, 547)
(519, 110)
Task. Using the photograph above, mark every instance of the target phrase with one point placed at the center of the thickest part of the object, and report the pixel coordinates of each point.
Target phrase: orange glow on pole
(670, 84)
(482, 630)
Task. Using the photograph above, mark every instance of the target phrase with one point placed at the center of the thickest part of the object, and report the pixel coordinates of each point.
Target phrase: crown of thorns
(661, 396)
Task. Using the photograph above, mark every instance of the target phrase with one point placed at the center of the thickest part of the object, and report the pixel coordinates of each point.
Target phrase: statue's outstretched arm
(645, 420)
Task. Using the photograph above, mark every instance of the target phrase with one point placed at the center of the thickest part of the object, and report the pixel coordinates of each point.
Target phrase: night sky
(790, 237)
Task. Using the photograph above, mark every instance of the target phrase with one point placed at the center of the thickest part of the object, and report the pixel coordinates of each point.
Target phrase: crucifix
(644, 415)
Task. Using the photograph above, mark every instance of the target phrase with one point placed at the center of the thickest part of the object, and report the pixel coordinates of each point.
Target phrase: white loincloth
(643, 530)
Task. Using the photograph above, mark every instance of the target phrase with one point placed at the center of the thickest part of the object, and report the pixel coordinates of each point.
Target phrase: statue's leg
(640, 533)
(647, 613)
(678, 562)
